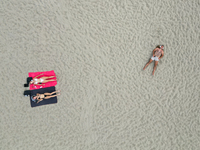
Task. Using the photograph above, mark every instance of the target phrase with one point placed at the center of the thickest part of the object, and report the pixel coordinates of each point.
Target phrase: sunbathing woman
(40, 97)
(39, 81)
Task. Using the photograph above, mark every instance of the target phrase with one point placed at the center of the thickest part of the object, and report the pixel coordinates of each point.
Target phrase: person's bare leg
(47, 97)
(47, 93)
(154, 68)
(48, 77)
(45, 81)
(55, 92)
(147, 64)
(51, 93)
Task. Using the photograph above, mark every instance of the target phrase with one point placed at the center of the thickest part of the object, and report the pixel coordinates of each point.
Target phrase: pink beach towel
(45, 73)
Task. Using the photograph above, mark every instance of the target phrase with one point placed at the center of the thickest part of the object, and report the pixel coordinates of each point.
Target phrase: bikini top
(41, 96)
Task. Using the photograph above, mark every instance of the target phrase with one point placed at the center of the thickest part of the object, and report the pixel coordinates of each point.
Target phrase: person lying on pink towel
(39, 81)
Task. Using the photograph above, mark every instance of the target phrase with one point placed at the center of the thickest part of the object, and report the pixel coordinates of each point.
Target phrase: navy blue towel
(45, 101)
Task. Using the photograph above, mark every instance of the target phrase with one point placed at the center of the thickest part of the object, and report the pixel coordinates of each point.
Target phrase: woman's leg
(47, 97)
(51, 93)
(154, 68)
(47, 77)
(45, 81)
(147, 64)
(47, 93)
(55, 92)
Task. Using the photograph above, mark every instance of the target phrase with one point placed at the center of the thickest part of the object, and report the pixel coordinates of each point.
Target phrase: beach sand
(98, 50)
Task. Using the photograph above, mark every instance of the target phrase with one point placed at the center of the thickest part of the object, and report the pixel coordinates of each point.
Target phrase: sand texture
(98, 49)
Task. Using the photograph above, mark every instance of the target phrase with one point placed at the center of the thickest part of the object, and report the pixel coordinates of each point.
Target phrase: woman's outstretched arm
(39, 100)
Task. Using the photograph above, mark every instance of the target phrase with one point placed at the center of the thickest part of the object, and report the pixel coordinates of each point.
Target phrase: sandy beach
(98, 50)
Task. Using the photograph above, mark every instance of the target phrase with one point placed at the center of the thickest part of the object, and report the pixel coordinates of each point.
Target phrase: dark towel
(44, 101)
(27, 92)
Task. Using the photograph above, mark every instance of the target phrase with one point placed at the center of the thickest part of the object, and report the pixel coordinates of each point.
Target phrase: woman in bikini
(158, 53)
(39, 81)
(40, 97)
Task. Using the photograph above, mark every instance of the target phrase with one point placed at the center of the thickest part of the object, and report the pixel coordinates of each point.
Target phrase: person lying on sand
(158, 53)
(39, 81)
(40, 97)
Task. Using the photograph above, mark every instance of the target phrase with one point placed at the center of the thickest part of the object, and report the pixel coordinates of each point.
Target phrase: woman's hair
(28, 81)
(32, 98)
